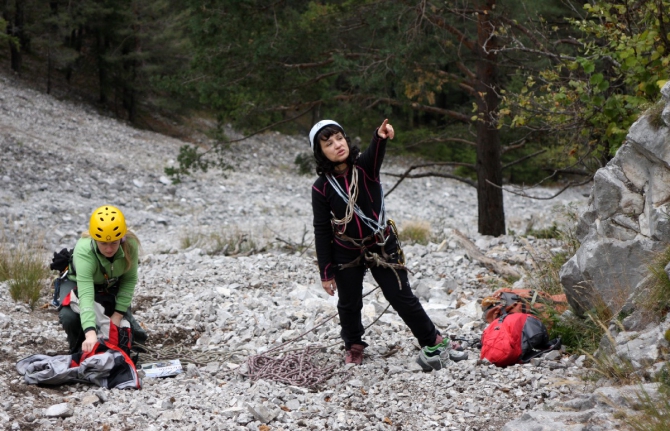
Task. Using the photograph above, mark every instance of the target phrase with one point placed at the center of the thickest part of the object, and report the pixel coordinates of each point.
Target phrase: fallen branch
(500, 268)
(526, 195)
(292, 246)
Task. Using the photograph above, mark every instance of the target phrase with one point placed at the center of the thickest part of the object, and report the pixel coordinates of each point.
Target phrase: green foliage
(191, 160)
(593, 97)
(260, 64)
(25, 271)
(123, 50)
(305, 163)
(654, 416)
(4, 37)
(578, 335)
(545, 233)
(362, 63)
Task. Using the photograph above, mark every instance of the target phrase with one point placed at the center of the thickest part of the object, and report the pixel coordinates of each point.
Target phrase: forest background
(494, 94)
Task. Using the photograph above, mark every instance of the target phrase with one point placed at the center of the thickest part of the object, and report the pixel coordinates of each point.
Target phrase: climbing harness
(381, 230)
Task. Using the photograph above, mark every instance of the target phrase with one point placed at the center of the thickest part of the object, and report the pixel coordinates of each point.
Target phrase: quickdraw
(401, 254)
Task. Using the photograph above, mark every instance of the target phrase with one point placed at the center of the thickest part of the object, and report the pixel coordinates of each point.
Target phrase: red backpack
(516, 338)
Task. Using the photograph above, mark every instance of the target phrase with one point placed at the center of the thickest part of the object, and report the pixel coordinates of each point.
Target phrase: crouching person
(103, 270)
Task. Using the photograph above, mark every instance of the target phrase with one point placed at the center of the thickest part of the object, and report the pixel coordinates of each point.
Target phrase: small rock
(90, 399)
(102, 395)
(293, 404)
(261, 413)
(62, 410)
(554, 355)
(192, 371)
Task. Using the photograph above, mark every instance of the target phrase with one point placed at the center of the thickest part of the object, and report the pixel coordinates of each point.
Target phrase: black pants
(350, 303)
(72, 323)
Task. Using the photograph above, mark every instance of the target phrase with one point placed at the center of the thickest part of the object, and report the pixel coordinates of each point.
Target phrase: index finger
(386, 120)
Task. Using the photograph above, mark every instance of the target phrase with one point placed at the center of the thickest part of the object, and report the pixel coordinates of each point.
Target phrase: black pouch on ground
(60, 262)
(535, 341)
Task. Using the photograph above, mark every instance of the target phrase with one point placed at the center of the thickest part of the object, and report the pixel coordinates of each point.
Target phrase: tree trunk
(130, 66)
(15, 29)
(102, 67)
(488, 164)
(54, 34)
(49, 69)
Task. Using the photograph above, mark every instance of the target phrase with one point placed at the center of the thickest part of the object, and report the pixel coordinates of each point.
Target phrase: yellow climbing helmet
(107, 224)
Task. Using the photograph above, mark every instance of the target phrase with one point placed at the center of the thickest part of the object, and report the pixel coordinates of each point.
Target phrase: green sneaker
(440, 355)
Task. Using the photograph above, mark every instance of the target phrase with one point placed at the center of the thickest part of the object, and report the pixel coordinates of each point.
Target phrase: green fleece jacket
(87, 260)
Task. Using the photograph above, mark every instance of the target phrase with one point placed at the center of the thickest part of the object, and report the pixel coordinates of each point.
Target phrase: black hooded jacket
(326, 204)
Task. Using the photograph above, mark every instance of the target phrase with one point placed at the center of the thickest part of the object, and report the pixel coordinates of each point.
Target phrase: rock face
(626, 222)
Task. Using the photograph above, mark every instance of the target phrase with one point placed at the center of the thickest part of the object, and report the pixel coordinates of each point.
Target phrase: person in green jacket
(103, 270)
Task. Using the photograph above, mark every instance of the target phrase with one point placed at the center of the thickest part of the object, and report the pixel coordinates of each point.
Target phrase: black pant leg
(139, 334)
(405, 303)
(70, 320)
(350, 303)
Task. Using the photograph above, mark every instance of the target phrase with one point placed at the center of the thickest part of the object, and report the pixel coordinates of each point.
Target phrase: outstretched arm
(371, 159)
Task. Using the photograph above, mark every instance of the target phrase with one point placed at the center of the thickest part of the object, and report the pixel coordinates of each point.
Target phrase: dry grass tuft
(416, 232)
(25, 270)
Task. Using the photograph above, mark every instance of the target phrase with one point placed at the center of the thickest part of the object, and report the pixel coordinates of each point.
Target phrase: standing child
(352, 235)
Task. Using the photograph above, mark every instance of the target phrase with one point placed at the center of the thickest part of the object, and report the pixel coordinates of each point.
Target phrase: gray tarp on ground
(107, 369)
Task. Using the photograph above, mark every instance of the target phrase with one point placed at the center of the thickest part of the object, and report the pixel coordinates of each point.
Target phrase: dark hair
(323, 164)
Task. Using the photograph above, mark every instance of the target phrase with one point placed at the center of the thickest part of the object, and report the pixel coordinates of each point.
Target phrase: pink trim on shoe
(454, 345)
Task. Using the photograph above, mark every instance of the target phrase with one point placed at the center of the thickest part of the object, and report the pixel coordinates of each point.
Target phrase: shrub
(657, 297)
(305, 163)
(546, 233)
(25, 270)
(654, 115)
(415, 232)
(581, 335)
(191, 239)
(231, 242)
(655, 412)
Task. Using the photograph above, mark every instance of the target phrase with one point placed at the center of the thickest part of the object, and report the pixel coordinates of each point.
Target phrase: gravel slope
(60, 160)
